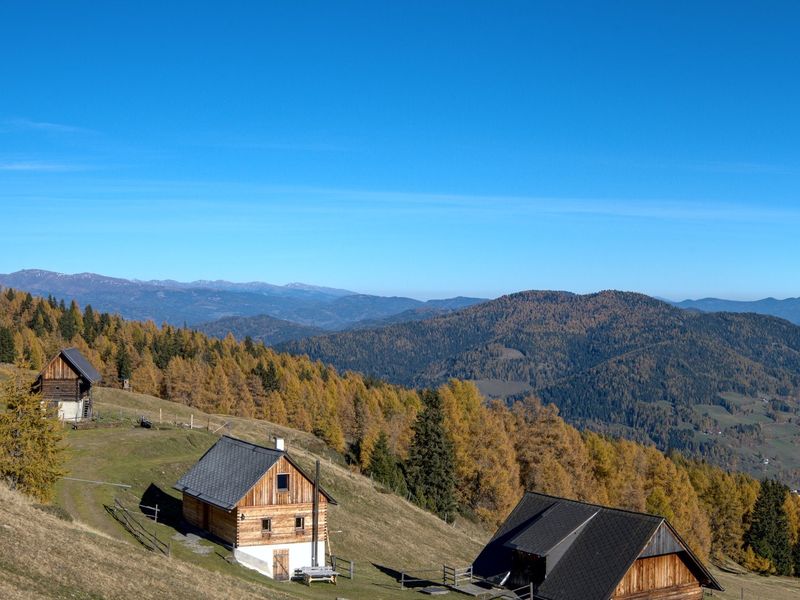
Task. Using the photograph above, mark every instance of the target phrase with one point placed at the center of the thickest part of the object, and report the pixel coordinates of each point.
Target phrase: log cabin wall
(206, 516)
(222, 523)
(266, 492)
(659, 578)
(61, 390)
(192, 510)
(282, 518)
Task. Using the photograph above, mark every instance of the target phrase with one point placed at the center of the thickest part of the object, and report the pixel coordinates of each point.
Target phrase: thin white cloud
(41, 166)
(22, 124)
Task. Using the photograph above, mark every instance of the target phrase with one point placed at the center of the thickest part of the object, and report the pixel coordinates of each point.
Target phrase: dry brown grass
(42, 556)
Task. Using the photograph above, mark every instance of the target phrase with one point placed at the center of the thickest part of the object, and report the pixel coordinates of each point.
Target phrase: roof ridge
(253, 445)
(595, 505)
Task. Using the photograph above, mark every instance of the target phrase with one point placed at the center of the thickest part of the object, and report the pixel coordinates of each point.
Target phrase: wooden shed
(66, 381)
(259, 501)
(569, 550)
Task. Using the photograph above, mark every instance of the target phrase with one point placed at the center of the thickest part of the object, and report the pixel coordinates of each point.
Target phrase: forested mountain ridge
(262, 328)
(788, 308)
(490, 452)
(197, 302)
(611, 359)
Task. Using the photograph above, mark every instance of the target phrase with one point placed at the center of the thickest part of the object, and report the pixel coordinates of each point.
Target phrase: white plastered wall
(259, 558)
(67, 411)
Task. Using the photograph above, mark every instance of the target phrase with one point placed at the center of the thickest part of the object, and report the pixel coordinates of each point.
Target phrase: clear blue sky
(418, 148)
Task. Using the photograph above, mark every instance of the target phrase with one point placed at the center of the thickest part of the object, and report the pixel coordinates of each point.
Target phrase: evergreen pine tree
(8, 353)
(124, 366)
(70, 323)
(30, 452)
(10, 295)
(768, 535)
(431, 465)
(384, 467)
(89, 324)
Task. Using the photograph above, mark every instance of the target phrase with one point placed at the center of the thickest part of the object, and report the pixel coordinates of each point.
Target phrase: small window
(299, 523)
(266, 526)
(283, 482)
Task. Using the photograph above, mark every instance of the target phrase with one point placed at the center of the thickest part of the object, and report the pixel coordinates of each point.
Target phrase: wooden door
(280, 565)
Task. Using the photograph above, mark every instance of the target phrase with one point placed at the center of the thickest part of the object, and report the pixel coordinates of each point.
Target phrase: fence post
(444, 574)
(531, 591)
(352, 569)
(191, 421)
(155, 518)
(402, 581)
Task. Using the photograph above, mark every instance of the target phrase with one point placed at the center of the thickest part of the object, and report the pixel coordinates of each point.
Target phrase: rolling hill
(614, 361)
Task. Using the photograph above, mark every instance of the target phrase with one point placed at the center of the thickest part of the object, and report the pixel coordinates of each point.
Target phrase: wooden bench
(310, 574)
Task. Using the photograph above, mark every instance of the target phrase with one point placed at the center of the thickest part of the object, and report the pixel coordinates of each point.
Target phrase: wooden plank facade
(664, 577)
(245, 526)
(66, 381)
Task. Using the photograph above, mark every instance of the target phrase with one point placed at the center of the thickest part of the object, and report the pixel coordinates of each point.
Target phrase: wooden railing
(337, 562)
(456, 576)
(148, 539)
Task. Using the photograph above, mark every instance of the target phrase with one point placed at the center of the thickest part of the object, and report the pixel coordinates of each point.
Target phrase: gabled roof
(229, 469)
(78, 363)
(608, 542)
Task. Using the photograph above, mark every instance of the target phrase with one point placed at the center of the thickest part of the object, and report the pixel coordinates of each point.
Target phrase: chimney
(279, 445)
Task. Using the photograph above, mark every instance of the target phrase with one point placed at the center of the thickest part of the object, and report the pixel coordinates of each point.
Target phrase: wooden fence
(337, 561)
(129, 521)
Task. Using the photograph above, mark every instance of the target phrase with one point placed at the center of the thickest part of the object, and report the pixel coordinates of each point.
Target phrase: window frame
(302, 520)
(278, 487)
(268, 531)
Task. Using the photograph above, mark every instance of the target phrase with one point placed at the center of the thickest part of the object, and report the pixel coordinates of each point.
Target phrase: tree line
(448, 449)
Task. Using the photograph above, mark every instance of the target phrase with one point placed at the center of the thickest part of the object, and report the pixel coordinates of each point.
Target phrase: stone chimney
(279, 444)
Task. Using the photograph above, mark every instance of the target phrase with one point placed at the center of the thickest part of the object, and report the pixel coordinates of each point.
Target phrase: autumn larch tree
(31, 455)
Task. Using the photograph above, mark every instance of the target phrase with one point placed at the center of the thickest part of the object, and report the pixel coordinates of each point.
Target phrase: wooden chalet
(568, 550)
(261, 502)
(66, 381)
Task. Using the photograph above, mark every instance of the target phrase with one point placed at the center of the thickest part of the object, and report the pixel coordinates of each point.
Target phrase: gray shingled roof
(595, 562)
(225, 473)
(78, 361)
(551, 526)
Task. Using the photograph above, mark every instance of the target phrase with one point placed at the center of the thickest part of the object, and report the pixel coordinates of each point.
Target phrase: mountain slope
(262, 328)
(788, 308)
(608, 359)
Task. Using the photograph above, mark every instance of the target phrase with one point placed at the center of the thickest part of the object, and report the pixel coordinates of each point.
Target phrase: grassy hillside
(371, 527)
(615, 361)
(367, 526)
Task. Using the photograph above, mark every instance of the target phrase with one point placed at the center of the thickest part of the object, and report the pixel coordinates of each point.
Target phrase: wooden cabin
(66, 381)
(260, 502)
(568, 550)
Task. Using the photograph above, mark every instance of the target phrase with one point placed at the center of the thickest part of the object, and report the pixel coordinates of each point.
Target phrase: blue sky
(418, 148)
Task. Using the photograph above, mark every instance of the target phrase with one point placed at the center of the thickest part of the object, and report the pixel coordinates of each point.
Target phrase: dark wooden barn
(568, 550)
(66, 381)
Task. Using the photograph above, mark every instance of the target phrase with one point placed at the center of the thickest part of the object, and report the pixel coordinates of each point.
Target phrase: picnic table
(309, 574)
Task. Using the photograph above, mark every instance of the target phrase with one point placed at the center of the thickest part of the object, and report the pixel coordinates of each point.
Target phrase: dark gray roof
(551, 526)
(78, 361)
(594, 563)
(225, 473)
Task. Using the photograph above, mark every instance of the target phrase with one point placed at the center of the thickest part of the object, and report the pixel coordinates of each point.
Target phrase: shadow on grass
(170, 510)
(409, 580)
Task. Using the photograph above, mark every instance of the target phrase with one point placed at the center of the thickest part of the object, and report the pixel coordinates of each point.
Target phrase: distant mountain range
(788, 308)
(611, 359)
(201, 302)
